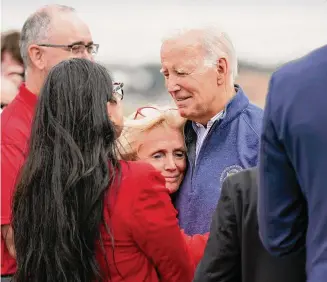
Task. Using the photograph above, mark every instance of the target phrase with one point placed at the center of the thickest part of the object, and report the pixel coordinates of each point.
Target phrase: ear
(36, 56)
(222, 71)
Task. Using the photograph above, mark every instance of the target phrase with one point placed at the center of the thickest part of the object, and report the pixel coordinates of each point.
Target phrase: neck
(230, 92)
(220, 104)
(33, 81)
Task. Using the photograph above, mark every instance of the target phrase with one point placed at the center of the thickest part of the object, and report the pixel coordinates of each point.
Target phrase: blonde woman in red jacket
(155, 135)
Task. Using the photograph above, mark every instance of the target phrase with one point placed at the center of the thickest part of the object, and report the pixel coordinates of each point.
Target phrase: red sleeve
(155, 229)
(12, 159)
(196, 244)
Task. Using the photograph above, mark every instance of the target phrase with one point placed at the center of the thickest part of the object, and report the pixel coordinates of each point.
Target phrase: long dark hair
(59, 200)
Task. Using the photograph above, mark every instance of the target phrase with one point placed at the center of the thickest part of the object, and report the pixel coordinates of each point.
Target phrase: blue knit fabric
(230, 146)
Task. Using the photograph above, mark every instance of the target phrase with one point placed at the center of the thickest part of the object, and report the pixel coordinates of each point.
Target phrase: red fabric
(196, 245)
(148, 245)
(16, 120)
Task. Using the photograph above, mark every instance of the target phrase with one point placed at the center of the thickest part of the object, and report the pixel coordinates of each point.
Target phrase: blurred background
(265, 33)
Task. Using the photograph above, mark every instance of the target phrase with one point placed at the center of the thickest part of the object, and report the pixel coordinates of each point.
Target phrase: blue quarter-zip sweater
(230, 146)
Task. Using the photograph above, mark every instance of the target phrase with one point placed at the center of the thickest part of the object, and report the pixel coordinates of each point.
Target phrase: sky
(266, 32)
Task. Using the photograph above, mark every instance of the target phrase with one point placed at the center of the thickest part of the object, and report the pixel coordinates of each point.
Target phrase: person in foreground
(51, 34)
(234, 252)
(293, 163)
(80, 214)
(154, 135)
(222, 129)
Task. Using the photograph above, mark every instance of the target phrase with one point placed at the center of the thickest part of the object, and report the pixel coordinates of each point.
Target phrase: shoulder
(241, 188)
(15, 124)
(291, 83)
(315, 61)
(252, 117)
(238, 191)
(301, 73)
(242, 180)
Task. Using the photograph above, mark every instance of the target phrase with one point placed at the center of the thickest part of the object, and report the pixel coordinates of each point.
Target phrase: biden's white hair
(216, 44)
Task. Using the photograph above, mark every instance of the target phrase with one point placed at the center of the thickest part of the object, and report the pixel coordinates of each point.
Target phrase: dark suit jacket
(293, 163)
(234, 252)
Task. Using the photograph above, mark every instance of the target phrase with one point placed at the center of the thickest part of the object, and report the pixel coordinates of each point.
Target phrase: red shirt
(16, 120)
(148, 244)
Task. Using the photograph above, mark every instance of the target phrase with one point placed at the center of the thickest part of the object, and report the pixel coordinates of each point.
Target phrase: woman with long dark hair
(80, 214)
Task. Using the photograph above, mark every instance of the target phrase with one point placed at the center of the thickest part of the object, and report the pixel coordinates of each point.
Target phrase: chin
(185, 113)
(172, 188)
(182, 111)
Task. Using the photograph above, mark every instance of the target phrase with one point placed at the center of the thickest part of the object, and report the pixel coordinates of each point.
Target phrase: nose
(87, 55)
(170, 164)
(172, 85)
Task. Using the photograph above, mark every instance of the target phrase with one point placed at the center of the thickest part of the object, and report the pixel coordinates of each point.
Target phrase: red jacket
(196, 244)
(148, 244)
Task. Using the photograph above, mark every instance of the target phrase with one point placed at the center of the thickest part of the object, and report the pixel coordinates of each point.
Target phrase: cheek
(51, 61)
(116, 114)
(185, 85)
(120, 117)
(60, 56)
(166, 82)
(191, 85)
(181, 165)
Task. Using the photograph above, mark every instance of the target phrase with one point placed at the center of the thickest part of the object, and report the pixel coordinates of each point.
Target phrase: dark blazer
(234, 252)
(293, 163)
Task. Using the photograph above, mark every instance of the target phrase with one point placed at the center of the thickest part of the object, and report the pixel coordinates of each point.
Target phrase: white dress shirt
(202, 131)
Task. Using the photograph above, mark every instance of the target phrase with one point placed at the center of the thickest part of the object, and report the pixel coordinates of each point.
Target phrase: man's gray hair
(216, 43)
(36, 28)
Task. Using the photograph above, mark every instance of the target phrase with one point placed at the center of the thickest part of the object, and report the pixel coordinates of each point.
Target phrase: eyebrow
(159, 150)
(180, 149)
(81, 43)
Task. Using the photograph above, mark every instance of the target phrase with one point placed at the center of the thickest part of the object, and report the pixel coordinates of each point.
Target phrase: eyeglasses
(117, 90)
(76, 48)
(149, 111)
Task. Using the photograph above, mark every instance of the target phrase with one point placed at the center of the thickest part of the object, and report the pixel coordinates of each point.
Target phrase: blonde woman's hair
(129, 140)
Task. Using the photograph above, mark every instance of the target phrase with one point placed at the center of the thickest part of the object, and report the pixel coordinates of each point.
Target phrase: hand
(8, 235)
